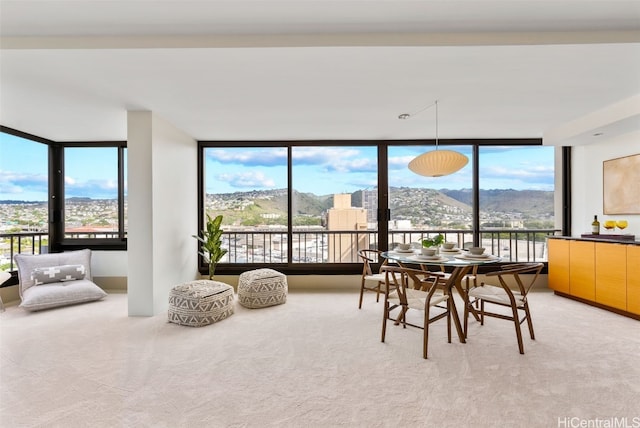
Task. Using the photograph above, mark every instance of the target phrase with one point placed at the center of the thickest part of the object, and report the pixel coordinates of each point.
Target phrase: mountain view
(444, 207)
(436, 208)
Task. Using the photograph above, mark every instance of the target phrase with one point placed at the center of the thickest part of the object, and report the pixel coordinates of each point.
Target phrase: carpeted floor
(316, 361)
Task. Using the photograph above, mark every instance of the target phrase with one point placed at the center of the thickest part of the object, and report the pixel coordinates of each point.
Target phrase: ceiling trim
(612, 121)
(319, 40)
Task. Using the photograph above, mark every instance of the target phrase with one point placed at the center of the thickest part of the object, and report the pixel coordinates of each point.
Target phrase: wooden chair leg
(425, 343)
(378, 292)
(465, 325)
(529, 322)
(449, 321)
(361, 293)
(516, 321)
(384, 321)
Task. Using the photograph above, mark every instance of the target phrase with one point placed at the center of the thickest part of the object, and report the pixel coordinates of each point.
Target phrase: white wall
(162, 211)
(139, 213)
(175, 210)
(586, 182)
(109, 263)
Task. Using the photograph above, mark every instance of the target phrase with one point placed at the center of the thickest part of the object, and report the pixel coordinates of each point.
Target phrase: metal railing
(324, 246)
(513, 245)
(21, 243)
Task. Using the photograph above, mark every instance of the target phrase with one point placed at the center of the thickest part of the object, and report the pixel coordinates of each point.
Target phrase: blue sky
(89, 172)
(320, 170)
(326, 170)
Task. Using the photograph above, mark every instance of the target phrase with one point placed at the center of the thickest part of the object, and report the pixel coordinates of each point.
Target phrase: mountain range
(417, 205)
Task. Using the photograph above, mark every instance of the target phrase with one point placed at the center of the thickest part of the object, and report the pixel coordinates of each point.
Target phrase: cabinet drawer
(582, 269)
(559, 265)
(633, 279)
(611, 275)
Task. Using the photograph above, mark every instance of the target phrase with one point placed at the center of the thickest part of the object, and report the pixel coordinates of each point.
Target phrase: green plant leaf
(211, 239)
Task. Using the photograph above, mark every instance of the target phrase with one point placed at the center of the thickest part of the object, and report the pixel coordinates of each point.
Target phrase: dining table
(460, 263)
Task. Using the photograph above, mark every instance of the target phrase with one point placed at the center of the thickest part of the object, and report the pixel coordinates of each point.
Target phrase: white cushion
(496, 295)
(55, 294)
(417, 298)
(4, 275)
(375, 277)
(28, 262)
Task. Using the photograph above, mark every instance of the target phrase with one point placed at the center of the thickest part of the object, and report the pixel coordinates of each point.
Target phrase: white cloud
(251, 179)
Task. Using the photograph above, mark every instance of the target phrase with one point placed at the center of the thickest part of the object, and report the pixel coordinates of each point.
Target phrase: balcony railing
(21, 243)
(322, 246)
(513, 245)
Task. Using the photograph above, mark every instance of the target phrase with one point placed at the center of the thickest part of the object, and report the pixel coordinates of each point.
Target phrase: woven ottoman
(260, 288)
(199, 303)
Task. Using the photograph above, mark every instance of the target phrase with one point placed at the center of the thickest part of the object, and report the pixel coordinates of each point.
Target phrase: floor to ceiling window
(91, 192)
(516, 202)
(88, 205)
(60, 196)
(308, 207)
(334, 204)
(424, 206)
(248, 187)
(24, 195)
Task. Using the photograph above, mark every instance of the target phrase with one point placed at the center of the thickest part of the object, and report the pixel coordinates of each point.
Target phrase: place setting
(428, 255)
(403, 249)
(449, 249)
(476, 254)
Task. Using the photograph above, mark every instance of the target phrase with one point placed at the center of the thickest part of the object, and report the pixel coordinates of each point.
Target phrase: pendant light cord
(436, 103)
(410, 115)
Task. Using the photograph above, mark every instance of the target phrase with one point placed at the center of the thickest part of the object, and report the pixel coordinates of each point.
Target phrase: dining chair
(514, 297)
(427, 298)
(422, 276)
(372, 279)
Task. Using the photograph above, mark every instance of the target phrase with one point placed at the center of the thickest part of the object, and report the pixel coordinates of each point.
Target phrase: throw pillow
(46, 275)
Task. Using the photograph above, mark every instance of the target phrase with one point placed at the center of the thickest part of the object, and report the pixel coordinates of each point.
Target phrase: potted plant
(211, 241)
(433, 242)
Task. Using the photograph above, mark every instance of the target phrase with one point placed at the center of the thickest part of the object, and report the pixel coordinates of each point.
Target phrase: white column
(162, 211)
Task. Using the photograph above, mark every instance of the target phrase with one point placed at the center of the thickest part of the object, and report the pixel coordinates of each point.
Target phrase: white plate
(402, 251)
(422, 258)
(481, 257)
(476, 256)
(452, 251)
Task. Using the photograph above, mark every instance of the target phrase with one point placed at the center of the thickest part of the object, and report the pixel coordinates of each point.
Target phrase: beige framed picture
(621, 185)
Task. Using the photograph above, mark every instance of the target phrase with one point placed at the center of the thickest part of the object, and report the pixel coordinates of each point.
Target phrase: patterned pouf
(261, 288)
(199, 303)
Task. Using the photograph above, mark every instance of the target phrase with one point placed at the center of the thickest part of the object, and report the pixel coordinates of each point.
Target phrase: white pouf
(199, 303)
(260, 288)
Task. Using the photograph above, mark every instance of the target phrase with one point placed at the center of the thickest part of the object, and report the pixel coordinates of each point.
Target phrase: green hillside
(445, 207)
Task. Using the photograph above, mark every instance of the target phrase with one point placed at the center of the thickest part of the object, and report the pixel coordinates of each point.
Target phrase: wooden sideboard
(599, 272)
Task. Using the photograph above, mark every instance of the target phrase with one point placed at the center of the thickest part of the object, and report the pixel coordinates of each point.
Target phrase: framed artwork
(620, 185)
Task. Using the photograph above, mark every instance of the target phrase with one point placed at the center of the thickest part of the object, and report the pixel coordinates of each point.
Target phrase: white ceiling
(269, 70)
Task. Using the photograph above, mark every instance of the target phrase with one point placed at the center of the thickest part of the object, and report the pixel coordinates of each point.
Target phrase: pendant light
(436, 163)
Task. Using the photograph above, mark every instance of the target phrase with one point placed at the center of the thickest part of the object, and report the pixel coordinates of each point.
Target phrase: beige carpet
(316, 361)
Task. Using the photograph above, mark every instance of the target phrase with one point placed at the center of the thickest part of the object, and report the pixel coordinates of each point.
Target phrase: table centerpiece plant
(211, 240)
(433, 242)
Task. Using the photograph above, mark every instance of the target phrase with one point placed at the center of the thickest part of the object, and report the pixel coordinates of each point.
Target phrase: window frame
(383, 197)
(55, 168)
(57, 241)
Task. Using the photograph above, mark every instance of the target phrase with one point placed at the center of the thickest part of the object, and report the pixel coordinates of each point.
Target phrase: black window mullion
(56, 197)
(290, 205)
(121, 185)
(383, 195)
(566, 191)
(475, 171)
